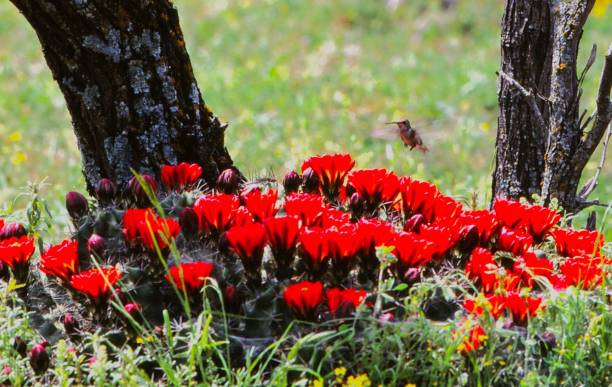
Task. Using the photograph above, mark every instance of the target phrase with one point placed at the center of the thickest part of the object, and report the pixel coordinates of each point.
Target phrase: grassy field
(295, 78)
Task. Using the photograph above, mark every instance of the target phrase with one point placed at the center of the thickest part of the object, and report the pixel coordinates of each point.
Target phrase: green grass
(295, 78)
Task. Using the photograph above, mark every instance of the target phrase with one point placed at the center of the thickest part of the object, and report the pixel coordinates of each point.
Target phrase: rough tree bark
(542, 142)
(127, 79)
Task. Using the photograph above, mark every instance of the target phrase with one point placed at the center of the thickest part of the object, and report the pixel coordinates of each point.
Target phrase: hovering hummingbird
(409, 135)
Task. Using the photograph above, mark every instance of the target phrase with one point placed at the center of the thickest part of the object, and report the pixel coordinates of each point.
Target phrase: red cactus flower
(522, 308)
(483, 268)
(308, 207)
(331, 169)
(529, 266)
(493, 305)
(191, 276)
(215, 212)
(261, 205)
(572, 242)
(370, 184)
(374, 233)
(314, 249)
(412, 251)
(16, 252)
(333, 217)
(584, 271)
(282, 234)
(242, 217)
(509, 212)
(248, 243)
(539, 221)
(443, 238)
(475, 338)
(514, 241)
(391, 190)
(418, 197)
(60, 260)
(446, 210)
(485, 221)
(304, 298)
(143, 226)
(96, 283)
(178, 177)
(343, 246)
(344, 299)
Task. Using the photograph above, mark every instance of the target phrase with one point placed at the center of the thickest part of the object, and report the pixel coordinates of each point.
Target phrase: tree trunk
(526, 57)
(542, 145)
(127, 79)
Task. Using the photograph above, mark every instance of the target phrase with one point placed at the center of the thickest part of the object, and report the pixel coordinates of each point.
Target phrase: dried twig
(591, 184)
(529, 96)
(602, 115)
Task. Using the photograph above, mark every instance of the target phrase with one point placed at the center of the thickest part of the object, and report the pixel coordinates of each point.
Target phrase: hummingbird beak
(392, 122)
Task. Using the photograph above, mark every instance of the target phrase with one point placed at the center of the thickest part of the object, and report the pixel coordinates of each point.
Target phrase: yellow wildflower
(361, 380)
(600, 7)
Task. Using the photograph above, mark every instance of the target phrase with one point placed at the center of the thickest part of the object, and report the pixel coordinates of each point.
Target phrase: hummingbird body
(409, 135)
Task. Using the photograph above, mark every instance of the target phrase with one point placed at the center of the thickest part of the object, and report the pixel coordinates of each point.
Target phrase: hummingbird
(409, 135)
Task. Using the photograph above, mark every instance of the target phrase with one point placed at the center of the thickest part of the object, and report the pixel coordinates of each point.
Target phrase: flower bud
(228, 180)
(6, 371)
(137, 191)
(224, 247)
(5, 274)
(412, 275)
(71, 326)
(20, 346)
(77, 205)
(349, 190)
(39, 358)
(386, 317)
(96, 245)
(232, 299)
(468, 238)
(188, 220)
(548, 341)
(357, 205)
(414, 223)
(291, 182)
(12, 230)
(134, 310)
(106, 190)
(310, 181)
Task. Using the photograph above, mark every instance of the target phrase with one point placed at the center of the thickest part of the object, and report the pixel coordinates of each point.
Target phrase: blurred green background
(295, 78)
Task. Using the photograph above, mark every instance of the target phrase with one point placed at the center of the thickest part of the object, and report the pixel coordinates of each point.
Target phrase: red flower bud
(468, 238)
(228, 180)
(6, 371)
(291, 182)
(310, 181)
(71, 326)
(12, 230)
(39, 358)
(20, 346)
(357, 205)
(412, 275)
(77, 205)
(135, 311)
(188, 220)
(96, 245)
(106, 190)
(137, 191)
(386, 317)
(414, 223)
